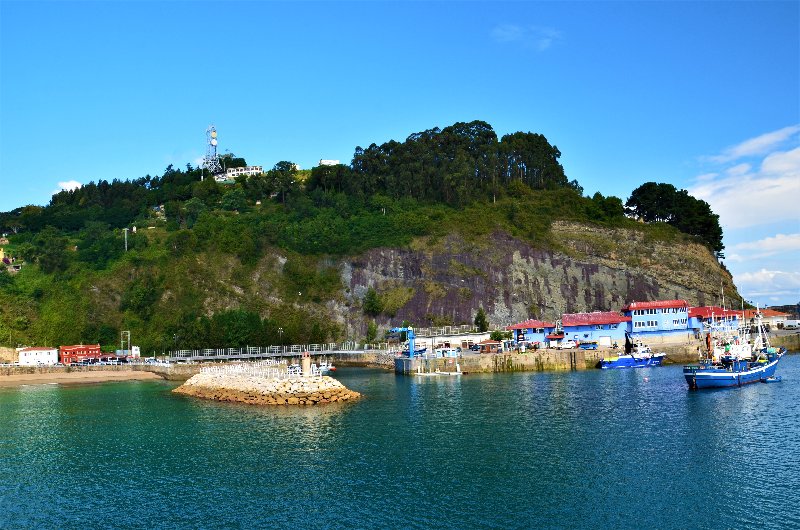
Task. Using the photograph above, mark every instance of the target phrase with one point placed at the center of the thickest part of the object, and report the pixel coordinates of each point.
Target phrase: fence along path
(270, 352)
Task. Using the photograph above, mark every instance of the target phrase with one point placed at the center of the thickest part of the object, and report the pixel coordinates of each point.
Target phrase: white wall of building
(38, 356)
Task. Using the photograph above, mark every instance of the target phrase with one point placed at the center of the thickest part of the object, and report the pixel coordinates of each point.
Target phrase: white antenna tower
(211, 160)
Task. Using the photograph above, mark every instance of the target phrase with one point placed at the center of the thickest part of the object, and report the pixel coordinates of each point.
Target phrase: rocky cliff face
(444, 281)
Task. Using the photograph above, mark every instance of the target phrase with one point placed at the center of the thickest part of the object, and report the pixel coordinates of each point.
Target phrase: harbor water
(589, 449)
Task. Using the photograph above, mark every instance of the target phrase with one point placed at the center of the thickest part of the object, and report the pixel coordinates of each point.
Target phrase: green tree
(99, 244)
(372, 331)
(500, 335)
(49, 250)
(283, 179)
(192, 210)
(234, 200)
(480, 320)
(207, 191)
(654, 202)
(372, 303)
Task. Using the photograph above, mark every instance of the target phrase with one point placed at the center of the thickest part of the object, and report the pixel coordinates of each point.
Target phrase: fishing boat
(734, 360)
(326, 367)
(418, 352)
(640, 356)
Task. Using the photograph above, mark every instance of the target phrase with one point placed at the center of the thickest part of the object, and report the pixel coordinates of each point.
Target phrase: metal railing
(250, 353)
(269, 369)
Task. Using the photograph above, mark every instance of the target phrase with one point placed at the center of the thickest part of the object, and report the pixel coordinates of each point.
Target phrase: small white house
(35, 356)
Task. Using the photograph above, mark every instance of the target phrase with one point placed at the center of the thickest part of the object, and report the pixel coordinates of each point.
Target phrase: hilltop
(426, 231)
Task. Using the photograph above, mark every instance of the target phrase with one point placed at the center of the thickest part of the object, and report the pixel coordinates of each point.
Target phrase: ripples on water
(621, 449)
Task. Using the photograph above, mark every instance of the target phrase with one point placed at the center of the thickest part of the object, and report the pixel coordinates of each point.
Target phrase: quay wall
(791, 342)
(538, 360)
(369, 359)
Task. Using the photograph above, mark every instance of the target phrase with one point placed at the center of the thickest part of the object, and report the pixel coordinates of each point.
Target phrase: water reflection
(573, 449)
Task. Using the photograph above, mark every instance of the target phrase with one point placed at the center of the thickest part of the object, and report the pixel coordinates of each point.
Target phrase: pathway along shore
(11, 379)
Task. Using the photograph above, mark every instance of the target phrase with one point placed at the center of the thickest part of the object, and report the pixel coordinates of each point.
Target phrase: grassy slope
(158, 291)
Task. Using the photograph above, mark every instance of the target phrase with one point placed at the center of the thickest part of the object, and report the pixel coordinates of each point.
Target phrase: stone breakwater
(267, 391)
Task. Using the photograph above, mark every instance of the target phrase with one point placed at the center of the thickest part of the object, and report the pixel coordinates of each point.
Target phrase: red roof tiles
(716, 311)
(531, 324)
(656, 304)
(593, 319)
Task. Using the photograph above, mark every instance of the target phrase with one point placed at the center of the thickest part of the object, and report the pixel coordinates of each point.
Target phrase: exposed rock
(266, 391)
(593, 269)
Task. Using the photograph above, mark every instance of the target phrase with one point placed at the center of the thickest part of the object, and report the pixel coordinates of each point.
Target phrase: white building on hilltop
(328, 162)
(38, 356)
(232, 172)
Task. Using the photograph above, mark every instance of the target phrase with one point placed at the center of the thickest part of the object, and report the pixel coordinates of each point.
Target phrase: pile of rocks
(244, 388)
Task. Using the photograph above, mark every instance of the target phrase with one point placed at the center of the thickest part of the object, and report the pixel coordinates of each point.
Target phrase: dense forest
(460, 178)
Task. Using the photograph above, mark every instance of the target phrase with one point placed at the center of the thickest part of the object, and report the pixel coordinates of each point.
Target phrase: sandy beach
(99, 376)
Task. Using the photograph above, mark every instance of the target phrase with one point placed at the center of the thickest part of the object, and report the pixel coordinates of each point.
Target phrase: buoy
(646, 379)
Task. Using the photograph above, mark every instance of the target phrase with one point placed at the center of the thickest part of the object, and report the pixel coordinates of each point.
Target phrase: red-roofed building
(602, 327)
(656, 304)
(490, 346)
(712, 311)
(78, 353)
(768, 316)
(701, 318)
(531, 331)
(37, 356)
(663, 319)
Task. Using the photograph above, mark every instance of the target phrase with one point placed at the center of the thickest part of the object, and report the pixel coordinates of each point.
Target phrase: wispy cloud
(774, 285)
(67, 185)
(769, 246)
(746, 196)
(756, 146)
(754, 187)
(535, 37)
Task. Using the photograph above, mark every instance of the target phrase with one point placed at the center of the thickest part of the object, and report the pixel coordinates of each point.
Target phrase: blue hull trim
(699, 377)
(626, 361)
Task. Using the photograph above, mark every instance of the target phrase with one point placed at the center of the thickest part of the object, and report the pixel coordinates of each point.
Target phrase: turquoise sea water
(594, 449)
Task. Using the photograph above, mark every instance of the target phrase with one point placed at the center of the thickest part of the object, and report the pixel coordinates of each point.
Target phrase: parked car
(567, 345)
(475, 347)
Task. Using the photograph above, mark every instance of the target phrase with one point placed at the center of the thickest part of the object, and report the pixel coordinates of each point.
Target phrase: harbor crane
(411, 336)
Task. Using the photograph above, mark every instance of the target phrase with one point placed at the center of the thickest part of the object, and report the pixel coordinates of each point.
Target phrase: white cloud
(756, 146)
(769, 246)
(773, 284)
(536, 37)
(67, 185)
(739, 169)
(746, 197)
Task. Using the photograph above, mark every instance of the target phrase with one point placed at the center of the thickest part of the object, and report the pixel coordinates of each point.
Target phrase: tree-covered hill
(254, 262)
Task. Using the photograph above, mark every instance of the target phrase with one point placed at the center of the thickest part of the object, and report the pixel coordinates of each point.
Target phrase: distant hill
(431, 228)
(791, 309)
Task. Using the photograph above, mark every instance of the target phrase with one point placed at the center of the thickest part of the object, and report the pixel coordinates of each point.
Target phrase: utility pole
(126, 238)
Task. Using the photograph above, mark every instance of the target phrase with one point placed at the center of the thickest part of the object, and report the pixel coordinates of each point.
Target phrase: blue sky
(703, 95)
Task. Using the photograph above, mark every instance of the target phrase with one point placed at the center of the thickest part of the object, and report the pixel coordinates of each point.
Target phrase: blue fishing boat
(733, 361)
(418, 352)
(640, 356)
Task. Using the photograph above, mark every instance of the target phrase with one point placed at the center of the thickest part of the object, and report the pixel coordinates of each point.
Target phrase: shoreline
(68, 378)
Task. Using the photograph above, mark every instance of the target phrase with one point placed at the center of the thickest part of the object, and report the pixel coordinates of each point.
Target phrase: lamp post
(280, 335)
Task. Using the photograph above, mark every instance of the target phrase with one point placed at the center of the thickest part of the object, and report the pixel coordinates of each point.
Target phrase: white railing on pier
(268, 369)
